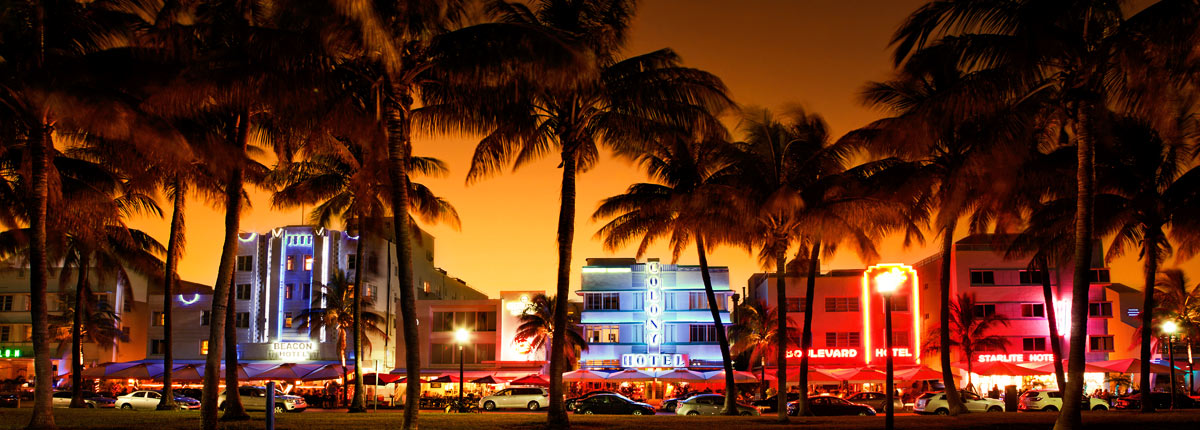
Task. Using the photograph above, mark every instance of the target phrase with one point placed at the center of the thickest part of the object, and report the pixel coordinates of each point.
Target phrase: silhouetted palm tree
(754, 331)
(1178, 302)
(537, 328)
(620, 107)
(341, 314)
(692, 201)
(971, 331)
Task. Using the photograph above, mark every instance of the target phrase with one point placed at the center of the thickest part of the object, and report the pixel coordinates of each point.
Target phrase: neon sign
(517, 308)
(897, 279)
(654, 323)
(186, 302)
(293, 350)
(654, 360)
(824, 353)
(10, 353)
(1014, 358)
(896, 352)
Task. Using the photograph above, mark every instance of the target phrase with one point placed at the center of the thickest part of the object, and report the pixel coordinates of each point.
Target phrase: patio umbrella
(1004, 368)
(186, 372)
(680, 375)
(137, 371)
(1129, 365)
(380, 378)
(328, 371)
(102, 370)
(285, 371)
(532, 379)
(630, 375)
(739, 377)
(1048, 367)
(584, 375)
(918, 374)
(244, 370)
(491, 379)
(858, 374)
(445, 378)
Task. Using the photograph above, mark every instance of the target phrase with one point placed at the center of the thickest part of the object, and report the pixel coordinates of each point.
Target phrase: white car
(709, 404)
(935, 403)
(147, 400)
(532, 398)
(255, 399)
(62, 399)
(1051, 400)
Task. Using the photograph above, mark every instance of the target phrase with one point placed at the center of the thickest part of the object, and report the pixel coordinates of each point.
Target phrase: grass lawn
(112, 419)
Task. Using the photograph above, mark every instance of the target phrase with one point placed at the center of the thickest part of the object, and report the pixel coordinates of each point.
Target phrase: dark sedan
(9, 400)
(573, 403)
(1161, 401)
(828, 406)
(769, 404)
(612, 404)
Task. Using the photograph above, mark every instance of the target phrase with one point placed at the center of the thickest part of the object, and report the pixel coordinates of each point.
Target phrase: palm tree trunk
(234, 410)
(781, 332)
(357, 405)
(398, 134)
(1052, 320)
(557, 415)
(1150, 253)
(722, 339)
(814, 266)
(43, 414)
(221, 293)
(173, 244)
(81, 286)
(953, 401)
(1085, 178)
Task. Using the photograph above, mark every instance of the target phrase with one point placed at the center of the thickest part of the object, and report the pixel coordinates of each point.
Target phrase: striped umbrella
(584, 375)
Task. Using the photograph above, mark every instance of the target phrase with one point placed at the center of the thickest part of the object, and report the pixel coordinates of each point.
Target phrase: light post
(461, 337)
(1169, 328)
(886, 283)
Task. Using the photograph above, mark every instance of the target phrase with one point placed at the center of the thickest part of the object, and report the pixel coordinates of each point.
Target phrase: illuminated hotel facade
(650, 315)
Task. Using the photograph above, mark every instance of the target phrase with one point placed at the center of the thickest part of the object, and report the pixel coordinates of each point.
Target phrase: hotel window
(306, 293)
(6, 303)
(1101, 343)
(984, 311)
(290, 263)
(1033, 310)
(5, 332)
(702, 333)
(851, 339)
(900, 338)
(425, 286)
(28, 333)
(242, 291)
(900, 303)
(287, 320)
(50, 303)
(1031, 277)
(442, 353)
(373, 263)
(638, 303)
(841, 304)
(796, 304)
(699, 300)
(369, 292)
(485, 321)
(245, 263)
(351, 261)
(603, 334)
(1100, 310)
(242, 320)
(1099, 275)
(602, 301)
(157, 346)
(205, 316)
(983, 277)
(203, 347)
(289, 291)
(159, 319)
(1033, 344)
(308, 263)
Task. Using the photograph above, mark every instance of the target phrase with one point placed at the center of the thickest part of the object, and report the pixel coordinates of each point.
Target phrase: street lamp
(461, 337)
(1169, 328)
(886, 283)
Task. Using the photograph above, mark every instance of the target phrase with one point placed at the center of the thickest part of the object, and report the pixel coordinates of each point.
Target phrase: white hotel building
(650, 315)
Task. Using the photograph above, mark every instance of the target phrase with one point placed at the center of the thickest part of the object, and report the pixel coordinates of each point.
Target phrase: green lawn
(111, 419)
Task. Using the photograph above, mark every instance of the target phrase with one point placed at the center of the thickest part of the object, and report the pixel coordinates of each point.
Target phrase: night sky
(770, 53)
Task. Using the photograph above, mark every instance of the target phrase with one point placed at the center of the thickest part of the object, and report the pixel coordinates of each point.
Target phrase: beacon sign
(654, 307)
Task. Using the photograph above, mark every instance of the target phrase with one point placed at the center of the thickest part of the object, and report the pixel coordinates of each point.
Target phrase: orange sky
(818, 53)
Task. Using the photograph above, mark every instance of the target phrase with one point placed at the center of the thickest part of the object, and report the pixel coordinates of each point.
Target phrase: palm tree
(537, 328)
(692, 201)
(95, 322)
(1090, 55)
(339, 313)
(754, 331)
(1177, 303)
(971, 332)
(620, 107)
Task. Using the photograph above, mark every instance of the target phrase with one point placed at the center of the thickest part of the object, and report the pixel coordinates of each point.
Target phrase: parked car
(769, 404)
(532, 398)
(876, 400)
(255, 399)
(1051, 400)
(1161, 401)
(573, 402)
(935, 403)
(669, 405)
(148, 400)
(612, 404)
(10, 400)
(829, 406)
(709, 404)
(62, 399)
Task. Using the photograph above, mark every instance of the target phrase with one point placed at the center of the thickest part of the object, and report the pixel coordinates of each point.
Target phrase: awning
(1130, 365)
(531, 380)
(585, 375)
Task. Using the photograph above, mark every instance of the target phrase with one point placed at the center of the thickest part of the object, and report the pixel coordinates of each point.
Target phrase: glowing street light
(1169, 328)
(461, 337)
(887, 283)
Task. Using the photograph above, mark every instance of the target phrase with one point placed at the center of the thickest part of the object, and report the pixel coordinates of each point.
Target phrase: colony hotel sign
(654, 360)
(654, 307)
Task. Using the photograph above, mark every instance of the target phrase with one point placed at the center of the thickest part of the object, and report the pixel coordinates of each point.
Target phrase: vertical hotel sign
(654, 307)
